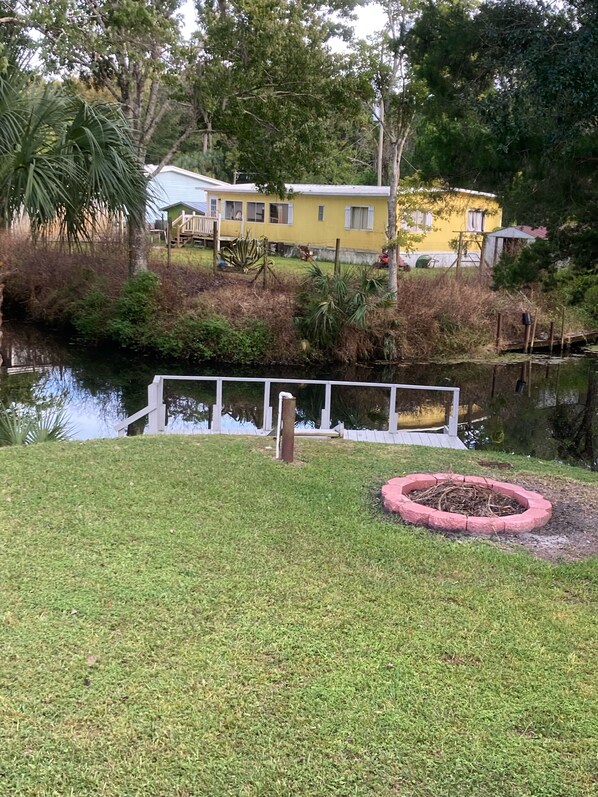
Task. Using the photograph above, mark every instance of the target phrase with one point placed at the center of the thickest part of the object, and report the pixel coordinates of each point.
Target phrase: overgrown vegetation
(187, 312)
(207, 633)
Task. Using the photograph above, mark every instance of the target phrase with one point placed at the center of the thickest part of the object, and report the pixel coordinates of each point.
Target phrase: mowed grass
(186, 617)
(288, 266)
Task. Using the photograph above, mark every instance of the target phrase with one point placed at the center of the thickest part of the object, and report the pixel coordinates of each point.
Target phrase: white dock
(404, 438)
(445, 437)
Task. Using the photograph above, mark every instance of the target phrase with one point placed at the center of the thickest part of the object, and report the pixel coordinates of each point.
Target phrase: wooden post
(562, 331)
(287, 441)
(551, 336)
(216, 244)
(483, 252)
(337, 261)
(498, 331)
(531, 346)
(265, 270)
(459, 255)
(168, 243)
(526, 339)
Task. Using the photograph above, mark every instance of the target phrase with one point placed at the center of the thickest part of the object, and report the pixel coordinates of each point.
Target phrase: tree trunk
(137, 246)
(392, 225)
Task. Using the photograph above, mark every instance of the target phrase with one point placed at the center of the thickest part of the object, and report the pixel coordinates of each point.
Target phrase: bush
(534, 263)
(215, 338)
(133, 311)
(90, 316)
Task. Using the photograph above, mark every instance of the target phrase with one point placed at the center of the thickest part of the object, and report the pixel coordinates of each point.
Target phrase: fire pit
(451, 502)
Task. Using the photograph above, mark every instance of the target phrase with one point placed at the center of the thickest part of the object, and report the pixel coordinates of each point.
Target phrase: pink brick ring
(395, 496)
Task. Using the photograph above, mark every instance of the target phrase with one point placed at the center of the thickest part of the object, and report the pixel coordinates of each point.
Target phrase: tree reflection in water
(554, 414)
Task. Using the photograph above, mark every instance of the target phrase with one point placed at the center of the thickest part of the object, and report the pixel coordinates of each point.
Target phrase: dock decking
(404, 438)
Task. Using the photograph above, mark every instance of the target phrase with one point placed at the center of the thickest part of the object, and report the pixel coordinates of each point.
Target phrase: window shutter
(290, 212)
(370, 218)
(348, 217)
(428, 220)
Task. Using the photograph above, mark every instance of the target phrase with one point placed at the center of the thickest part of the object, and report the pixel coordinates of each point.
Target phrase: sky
(370, 19)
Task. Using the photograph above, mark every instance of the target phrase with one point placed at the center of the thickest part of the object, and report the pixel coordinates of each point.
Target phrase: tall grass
(197, 315)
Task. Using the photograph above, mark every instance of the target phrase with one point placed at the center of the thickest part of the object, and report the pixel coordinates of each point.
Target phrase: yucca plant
(332, 302)
(20, 427)
(243, 254)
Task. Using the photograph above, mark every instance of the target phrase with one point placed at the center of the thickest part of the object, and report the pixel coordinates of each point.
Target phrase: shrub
(534, 263)
(331, 303)
(215, 338)
(20, 426)
(90, 316)
(134, 309)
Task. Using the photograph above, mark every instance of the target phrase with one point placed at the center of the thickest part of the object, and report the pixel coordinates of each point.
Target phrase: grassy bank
(187, 617)
(184, 311)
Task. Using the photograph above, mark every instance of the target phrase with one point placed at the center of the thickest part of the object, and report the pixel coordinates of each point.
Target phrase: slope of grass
(185, 617)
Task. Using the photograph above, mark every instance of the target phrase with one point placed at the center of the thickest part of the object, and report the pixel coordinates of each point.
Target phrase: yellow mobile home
(316, 215)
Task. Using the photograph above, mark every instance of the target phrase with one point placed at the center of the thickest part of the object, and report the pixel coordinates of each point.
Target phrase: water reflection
(546, 409)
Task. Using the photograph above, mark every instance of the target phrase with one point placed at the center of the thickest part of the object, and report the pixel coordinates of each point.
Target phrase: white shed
(173, 185)
(509, 240)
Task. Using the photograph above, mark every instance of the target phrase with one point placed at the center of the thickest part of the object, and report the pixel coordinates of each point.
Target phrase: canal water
(546, 408)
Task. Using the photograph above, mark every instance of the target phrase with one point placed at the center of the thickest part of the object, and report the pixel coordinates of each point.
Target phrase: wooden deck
(404, 438)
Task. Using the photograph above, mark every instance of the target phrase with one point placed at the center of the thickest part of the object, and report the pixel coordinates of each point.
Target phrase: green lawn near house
(184, 616)
(197, 257)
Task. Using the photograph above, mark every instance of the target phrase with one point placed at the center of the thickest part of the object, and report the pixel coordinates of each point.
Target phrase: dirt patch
(572, 532)
(467, 499)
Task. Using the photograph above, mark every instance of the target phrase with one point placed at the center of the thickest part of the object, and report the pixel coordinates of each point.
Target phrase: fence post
(217, 409)
(337, 256)
(267, 414)
(498, 332)
(287, 442)
(454, 420)
(216, 245)
(325, 417)
(392, 411)
(161, 414)
(152, 403)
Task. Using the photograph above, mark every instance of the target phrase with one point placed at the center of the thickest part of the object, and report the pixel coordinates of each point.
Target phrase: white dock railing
(156, 408)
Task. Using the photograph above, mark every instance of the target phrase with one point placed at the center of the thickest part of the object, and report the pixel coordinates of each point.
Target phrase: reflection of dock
(446, 437)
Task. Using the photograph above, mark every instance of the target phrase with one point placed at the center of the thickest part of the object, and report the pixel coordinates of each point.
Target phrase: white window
(281, 212)
(359, 218)
(256, 211)
(418, 221)
(320, 212)
(233, 211)
(475, 220)
(214, 208)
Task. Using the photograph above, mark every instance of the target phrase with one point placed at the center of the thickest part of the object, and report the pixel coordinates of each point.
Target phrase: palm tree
(64, 160)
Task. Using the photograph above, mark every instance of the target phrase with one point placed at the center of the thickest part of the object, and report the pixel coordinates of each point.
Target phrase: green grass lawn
(184, 617)
(202, 258)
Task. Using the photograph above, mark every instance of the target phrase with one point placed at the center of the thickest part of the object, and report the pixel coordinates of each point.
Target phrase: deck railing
(156, 408)
(194, 225)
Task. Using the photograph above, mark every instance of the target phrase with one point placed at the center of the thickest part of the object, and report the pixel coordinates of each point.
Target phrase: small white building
(173, 185)
(510, 240)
